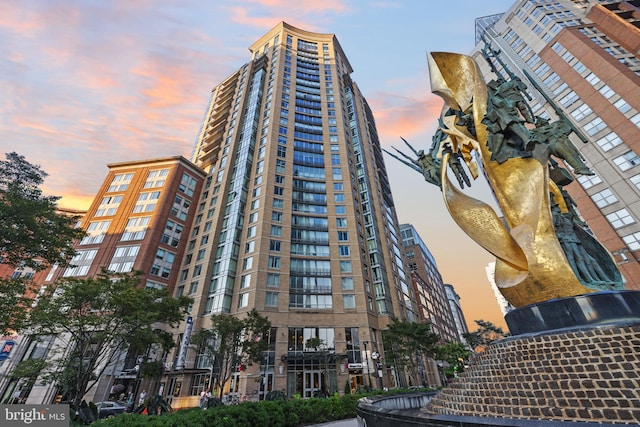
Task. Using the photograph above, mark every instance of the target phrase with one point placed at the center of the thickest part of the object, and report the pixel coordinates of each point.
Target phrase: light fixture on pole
(366, 359)
(376, 356)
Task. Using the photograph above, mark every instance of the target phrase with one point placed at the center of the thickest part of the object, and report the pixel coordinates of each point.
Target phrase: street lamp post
(366, 358)
(376, 364)
(138, 368)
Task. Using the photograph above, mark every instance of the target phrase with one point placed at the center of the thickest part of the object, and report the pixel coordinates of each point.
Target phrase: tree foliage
(232, 342)
(13, 304)
(94, 320)
(405, 342)
(486, 333)
(455, 356)
(33, 234)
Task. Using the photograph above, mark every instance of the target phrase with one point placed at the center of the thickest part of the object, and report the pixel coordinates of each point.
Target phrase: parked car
(110, 408)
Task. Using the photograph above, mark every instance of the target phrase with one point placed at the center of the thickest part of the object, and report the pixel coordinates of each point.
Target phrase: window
(588, 181)
(606, 91)
(347, 283)
(271, 299)
(349, 301)
(136, 228)
(341, 210)
(123, 259)
(274, 262)
(604, 198)
(594, 126)
(120, 182)
(251, 231)
(345, 267)
(180, 208)
(193, 287)
(96, 232)
(248, 263)
(146, 202)
(620, 218)
(581, 112)
(276, 230)
(341, 222)
(627, 160)
(278, 191)
(622, 105)
(609, 141)
(109, 206)
(81, 262)
(278, 203)
(187, 184)
(197, 270)
(276, 216)
(245, 282)
(593, 79)
(163, 262)
(243, 300)
(343, 236)
(274, 245)
(632, 241)
(156, 178)
(636, 181)
(273, 280)
(569, 99)
(250, 247)
(344, 250)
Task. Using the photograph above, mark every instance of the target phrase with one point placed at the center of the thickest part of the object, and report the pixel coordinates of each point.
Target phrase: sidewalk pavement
(352, 422)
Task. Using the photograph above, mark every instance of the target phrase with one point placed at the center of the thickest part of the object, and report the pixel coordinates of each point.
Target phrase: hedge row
(285, 413)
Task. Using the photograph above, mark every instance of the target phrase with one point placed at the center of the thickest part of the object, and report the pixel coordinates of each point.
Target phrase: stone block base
(588, 374)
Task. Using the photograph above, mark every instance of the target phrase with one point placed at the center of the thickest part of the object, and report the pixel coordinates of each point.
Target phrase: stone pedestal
(588, 374)
(591, 309)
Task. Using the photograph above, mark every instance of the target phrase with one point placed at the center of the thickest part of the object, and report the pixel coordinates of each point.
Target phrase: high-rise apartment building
(456, 311)
(296, 220)
(431, 299)
(432, 302)
(583, 56)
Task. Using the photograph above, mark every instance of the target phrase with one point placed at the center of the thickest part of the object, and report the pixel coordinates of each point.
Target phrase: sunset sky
(88, 83)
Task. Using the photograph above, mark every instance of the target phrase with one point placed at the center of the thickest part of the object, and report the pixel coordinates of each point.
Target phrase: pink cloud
(283, 10)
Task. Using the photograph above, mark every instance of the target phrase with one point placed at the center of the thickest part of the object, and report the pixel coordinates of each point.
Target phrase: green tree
(13, 304)
(407, 342)
(486, 333)
(231, 342)
(94, 321)
(34, 234)
(455, 356)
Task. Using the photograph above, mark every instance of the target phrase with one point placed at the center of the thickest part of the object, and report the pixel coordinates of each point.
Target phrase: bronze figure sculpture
(543, 251)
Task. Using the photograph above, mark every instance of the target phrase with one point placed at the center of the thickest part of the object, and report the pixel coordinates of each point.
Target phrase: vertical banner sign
(6, 348)
(186, 338)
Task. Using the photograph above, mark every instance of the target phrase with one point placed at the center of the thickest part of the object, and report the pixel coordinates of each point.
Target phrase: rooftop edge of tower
(282, 26)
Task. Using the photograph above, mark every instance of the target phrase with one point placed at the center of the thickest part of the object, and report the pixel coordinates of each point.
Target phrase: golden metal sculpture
(541, 251)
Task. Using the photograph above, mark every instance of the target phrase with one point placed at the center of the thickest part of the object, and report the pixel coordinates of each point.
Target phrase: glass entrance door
(312, 383)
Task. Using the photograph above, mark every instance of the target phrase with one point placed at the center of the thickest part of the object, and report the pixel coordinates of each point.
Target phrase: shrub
(274, 413)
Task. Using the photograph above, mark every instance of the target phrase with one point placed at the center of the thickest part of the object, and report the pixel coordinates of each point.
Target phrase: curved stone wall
(588, 374)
